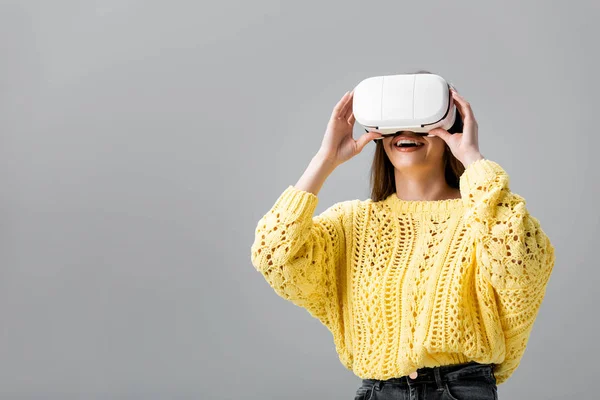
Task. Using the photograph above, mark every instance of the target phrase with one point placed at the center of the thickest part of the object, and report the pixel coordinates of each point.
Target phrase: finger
(470, 127)
(339, 106)
(343, 114)
(365, 138)
(348, 109)
(351, 119)
(441, 133)
(344, 110)
(458, 106)
(464, 107)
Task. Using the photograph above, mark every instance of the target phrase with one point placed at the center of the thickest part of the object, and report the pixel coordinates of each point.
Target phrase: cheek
(386, 146)
(437, 145)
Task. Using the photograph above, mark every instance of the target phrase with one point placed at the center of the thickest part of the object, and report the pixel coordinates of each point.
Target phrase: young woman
(430, 288)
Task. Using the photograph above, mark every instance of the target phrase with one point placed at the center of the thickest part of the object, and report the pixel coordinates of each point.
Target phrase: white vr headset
(406, 102)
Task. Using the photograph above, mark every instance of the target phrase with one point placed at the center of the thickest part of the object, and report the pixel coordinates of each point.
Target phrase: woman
(430, 288)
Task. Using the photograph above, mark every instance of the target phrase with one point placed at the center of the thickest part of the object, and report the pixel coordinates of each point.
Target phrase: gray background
(141, 141)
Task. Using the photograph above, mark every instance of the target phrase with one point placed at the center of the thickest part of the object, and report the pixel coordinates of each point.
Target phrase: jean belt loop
(438, 378)
(378, 384)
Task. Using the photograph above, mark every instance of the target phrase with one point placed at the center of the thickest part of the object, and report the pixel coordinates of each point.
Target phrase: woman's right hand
(338, 145)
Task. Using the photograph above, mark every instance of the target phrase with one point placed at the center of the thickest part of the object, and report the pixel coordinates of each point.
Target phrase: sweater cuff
(479, 173)
(294, 203)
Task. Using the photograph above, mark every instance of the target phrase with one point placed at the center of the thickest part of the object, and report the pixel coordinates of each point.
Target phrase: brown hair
(383, 181)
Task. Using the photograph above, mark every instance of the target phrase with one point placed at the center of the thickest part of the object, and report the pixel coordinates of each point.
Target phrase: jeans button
(413, 375)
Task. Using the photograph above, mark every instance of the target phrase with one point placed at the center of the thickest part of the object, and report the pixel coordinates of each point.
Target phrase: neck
(416, 183)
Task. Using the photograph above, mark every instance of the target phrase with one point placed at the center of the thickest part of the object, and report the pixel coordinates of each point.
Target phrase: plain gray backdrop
(141, 142)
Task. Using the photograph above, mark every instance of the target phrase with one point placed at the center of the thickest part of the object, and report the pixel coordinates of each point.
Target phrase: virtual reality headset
(406, 102)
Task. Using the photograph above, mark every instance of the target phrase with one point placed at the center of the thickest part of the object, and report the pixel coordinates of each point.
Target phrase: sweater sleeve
(512, 249)
(513, 254)
(299, 255)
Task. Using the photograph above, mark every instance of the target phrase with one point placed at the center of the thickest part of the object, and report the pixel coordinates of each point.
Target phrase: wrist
(324, 161)
(471, 158)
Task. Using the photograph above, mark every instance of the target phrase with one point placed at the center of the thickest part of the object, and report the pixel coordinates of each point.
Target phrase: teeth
(399, 142)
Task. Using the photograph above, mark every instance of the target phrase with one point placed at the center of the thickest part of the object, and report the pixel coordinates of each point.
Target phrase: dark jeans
(449, 382)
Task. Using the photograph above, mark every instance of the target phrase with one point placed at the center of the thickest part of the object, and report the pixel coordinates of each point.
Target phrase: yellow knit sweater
(405, 284)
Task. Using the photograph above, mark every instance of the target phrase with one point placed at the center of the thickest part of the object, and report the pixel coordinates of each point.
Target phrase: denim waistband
(444, 372)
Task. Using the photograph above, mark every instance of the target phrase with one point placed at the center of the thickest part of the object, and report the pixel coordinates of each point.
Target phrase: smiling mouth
(406, 145)
(408, 139)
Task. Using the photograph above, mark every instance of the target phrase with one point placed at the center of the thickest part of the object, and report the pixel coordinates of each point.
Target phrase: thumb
(441, 133)
(365, 138)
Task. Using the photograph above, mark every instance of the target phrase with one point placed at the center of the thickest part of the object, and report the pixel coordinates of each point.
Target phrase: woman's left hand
(464, 146)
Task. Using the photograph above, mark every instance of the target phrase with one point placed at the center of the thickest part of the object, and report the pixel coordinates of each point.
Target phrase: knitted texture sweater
(406, 284)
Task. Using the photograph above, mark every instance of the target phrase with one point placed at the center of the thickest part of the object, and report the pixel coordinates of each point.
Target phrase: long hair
(383, 181)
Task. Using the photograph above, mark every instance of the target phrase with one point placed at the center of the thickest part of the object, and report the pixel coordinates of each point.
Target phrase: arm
(300, 255)
(512, 249)
(514, 256)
